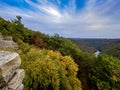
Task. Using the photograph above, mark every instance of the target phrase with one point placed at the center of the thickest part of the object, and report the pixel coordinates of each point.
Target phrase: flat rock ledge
(11, 76)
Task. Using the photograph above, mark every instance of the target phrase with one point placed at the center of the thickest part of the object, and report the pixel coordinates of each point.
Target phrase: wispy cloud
(96, 19)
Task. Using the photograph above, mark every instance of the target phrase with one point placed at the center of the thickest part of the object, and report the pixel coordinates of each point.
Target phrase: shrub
(48, 70)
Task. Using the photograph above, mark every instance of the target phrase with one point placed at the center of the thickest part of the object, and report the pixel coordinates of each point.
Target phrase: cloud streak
(96, 19)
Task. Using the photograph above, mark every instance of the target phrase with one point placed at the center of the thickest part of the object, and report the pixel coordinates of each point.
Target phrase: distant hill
(108, 46)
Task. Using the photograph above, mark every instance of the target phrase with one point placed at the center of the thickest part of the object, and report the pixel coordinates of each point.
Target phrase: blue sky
(68, 18)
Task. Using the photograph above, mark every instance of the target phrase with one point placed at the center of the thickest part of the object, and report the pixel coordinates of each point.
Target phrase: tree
(37, 40)
(106, 73)
(19, 18)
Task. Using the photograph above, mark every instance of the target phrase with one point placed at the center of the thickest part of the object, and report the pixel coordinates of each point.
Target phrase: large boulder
(9, 63)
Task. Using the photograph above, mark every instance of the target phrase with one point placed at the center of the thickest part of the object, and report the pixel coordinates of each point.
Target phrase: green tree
(106, 73)
(19, 18)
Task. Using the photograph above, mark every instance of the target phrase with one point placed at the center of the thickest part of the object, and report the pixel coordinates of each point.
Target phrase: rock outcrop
(11, 76)
(7, 42)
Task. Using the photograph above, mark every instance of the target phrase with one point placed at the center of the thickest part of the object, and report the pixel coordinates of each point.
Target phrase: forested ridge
(56, 63)
(108, 46)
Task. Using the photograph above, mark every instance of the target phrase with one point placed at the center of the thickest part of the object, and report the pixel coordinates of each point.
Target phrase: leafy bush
(48, 70)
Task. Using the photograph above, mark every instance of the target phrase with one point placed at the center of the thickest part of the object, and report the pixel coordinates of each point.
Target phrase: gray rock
(7, 38)
(1, 37)
(20, 87)
(7, 42)
(16, 81)
(9, 62)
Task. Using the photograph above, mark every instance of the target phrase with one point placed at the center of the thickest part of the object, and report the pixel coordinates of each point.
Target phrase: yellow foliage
(49, 70)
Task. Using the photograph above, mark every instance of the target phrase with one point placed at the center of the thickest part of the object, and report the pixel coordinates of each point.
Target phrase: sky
(68, 18)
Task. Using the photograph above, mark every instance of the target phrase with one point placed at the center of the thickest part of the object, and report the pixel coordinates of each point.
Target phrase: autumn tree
(37, 40)
(48, 70)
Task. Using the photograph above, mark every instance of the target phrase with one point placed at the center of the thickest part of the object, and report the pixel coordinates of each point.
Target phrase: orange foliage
(37, 41)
